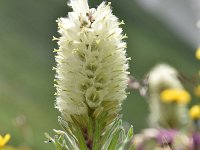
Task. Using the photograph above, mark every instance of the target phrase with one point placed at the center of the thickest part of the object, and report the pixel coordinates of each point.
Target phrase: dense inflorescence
(91, 71)
(167, 98)
(91, 78)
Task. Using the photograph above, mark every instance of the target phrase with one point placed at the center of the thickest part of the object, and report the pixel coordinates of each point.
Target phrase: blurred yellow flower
(198, 53)
(194, 112)
(4, 140)
(179, 96)
(197, 91)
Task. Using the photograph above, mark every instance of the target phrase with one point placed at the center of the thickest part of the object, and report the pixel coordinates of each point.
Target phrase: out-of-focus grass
(26, 60)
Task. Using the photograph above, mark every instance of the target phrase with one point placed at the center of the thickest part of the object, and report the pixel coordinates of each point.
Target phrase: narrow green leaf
(113, 143)
(81, 139)
(79, 135)
(96, 137)
(90, 127)
(106, 136)
(99, 126)
(130, 132)
(126, 141)
(57, 144)
(70, 143)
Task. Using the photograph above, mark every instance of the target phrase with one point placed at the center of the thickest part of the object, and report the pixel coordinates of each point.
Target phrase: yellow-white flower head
(91, 71)
(163, 76)
(162, 79)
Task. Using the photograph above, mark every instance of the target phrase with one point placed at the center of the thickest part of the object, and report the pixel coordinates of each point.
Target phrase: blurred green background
(26, 61)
